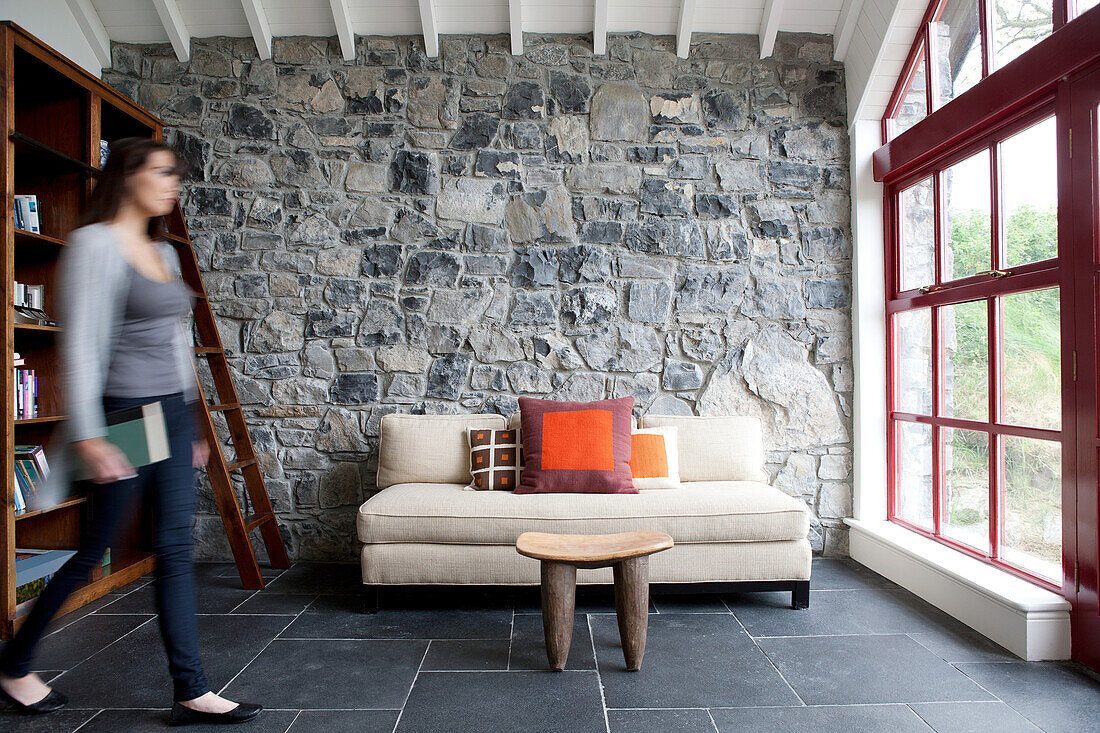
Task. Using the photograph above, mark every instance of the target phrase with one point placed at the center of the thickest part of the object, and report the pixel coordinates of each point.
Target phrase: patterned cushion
(654, 458)
(495, 459)
(581, 447)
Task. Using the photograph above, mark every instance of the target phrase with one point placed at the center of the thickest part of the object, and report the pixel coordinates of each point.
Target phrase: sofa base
(702, 567)
(799, 590)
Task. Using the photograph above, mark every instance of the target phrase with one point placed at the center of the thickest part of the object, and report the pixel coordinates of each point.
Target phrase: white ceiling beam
(683, 28)
(769, 26)
(599, 29)
(261, 30)
(427, 22)
(174, 26)
(515, 25)
(845, 27)
(92, 27)
(341, 16)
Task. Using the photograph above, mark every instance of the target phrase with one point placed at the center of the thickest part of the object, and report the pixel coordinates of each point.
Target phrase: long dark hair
(126, 156)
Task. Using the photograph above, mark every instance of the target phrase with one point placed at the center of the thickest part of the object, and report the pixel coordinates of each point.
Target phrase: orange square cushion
(581, 447)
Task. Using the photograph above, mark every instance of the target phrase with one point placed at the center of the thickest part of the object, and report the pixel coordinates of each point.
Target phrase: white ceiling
(137, 21)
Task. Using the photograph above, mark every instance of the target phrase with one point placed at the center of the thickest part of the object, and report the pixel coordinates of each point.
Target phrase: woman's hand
(106, 462)
(200, 453)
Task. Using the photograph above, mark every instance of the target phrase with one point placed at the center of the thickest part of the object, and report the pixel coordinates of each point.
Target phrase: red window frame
(948, 135)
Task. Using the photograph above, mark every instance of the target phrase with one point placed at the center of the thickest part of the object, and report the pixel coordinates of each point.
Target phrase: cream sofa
(729, 525)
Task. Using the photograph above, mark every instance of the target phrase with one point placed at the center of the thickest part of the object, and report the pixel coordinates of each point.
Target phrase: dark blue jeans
(167, 485)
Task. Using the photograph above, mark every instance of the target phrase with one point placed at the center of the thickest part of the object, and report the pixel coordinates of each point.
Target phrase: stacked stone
(401, 233)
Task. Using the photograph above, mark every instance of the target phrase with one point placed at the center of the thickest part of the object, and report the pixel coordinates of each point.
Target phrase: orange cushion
(654, 458)
(581, 447)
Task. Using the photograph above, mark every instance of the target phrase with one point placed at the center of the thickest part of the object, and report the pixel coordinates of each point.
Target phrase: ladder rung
(206, 350)
(252, 521)
(240, 464)
(223, 407)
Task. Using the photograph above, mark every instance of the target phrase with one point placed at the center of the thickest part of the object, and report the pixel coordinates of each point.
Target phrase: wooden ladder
(262, 517)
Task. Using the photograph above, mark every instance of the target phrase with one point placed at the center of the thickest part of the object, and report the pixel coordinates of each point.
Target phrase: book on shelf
(34, 568)
(29, 304)
(20, 502)
(26, 394)
(26, 206)
(104, 152)
(139, 432)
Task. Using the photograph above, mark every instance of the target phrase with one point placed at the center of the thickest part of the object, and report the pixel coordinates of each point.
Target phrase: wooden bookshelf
(52, 116)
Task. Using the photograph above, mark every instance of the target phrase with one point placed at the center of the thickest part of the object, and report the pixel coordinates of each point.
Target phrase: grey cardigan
(93, 284)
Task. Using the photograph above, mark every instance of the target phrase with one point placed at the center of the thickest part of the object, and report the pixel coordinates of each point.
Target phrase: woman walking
(123, 346)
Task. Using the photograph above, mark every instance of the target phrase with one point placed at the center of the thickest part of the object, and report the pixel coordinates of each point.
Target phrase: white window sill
(1029, 621)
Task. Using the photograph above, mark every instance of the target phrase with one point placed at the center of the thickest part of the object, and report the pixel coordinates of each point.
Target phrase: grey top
(93, 285)
(143, 364)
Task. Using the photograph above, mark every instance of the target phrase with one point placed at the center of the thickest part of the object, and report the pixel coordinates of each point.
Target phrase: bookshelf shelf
(33, 239)
(35, 327)
(35, 152)
(39, 420)
(68, 503)
(52, 116)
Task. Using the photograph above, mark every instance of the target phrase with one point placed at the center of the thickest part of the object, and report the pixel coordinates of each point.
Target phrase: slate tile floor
(866, 656)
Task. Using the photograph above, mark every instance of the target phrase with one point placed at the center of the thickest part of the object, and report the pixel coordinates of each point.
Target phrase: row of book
(26, 213)
(30, 296)
(26, 390)
(31, 470)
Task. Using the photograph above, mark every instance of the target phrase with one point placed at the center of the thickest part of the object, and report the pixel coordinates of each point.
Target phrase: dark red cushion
(581, 447)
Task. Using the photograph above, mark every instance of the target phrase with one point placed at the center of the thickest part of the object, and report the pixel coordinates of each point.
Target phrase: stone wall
(401, 233)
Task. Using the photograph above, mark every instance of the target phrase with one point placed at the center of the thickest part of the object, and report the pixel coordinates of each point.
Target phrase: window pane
(918, 236)
(1083, 5)
(914, 104)
(913, 461)
(966, 488)
(1017, 26)
(913, 361)
(959, 44)
(1032, 536)
(1032, 380)
(1029, 188)
(964, 329)
(967, 193)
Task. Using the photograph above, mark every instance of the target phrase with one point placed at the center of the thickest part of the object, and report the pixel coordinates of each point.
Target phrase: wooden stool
(561, 554)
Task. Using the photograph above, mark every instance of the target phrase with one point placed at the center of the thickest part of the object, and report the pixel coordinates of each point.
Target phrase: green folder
(139, 432)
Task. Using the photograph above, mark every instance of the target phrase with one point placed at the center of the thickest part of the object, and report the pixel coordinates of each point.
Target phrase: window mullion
(985, 22)
(937, 432)
(996, 475)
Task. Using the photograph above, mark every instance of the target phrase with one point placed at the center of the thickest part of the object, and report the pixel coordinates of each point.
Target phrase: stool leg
(559, 593)
(632, 608)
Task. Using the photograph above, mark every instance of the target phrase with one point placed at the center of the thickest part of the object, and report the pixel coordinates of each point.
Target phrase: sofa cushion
(716, 448)
(496, 460)
(705, 511)
(576, 447)
(655, 458)
(427, 447)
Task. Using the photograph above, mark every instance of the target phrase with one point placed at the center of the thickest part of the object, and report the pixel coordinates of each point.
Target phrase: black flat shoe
(53, 701)
(183, 715)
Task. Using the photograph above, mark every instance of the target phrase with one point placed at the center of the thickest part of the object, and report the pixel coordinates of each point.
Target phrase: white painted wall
(53, 23)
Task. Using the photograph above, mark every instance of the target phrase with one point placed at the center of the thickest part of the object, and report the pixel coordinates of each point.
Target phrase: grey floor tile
(847, 718)
(61, 721)
(1055, 697)
(529, 644)
(841, 670)
(973, 717)
(448, 655)
(504, 701)
(690, 603)
(264, 601)
(85, 610)
(961, 645)
(129, 721)
(691, 720)
(881, 611)
(330, 674)
(212, 595)
(76, 642)
(691, 660)
(339, 617)
(134, 671)
(345, 721)
(842, 573)
(331, 578)
(589, 599)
